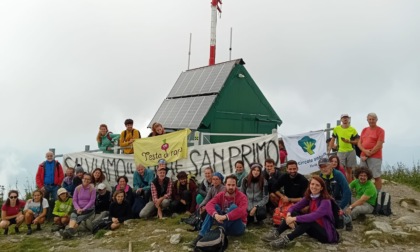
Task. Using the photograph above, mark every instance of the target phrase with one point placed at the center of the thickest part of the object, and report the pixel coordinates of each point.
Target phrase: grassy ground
(401, 174)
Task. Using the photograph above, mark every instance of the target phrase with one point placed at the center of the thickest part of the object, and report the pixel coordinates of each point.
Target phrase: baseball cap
(61, 191)
(344, 115)
(101, 186)
(323, 161)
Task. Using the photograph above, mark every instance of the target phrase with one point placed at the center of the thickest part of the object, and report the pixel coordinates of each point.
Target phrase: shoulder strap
(108, 136)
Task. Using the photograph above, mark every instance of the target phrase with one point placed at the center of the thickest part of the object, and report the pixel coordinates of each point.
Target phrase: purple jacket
(323, 211)
(84, 198)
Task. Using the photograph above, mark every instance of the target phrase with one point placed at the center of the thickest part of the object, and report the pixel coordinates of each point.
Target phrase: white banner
(306, 149)
(221, 157)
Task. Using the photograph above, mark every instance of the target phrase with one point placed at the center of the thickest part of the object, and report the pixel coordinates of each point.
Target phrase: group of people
(241, 199)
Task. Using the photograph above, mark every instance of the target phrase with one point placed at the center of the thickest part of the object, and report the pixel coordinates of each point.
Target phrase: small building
(222, 98)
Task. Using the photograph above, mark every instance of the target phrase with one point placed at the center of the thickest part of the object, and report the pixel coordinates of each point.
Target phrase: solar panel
(203, 80)
(183, 112)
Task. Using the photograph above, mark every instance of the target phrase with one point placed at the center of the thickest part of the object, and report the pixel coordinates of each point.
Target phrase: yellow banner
(171, 147)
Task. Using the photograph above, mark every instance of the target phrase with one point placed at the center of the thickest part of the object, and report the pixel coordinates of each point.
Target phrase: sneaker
(194, 242)
(349, 226)
(280, 243)
(17, 230)
(29, 232)
(6, 231)
(271, 236)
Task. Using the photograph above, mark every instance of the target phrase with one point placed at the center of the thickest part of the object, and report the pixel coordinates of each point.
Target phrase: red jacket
(240, 200)
(58, 174)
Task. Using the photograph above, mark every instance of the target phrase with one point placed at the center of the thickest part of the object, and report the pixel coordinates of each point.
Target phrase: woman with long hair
(106, 139)
(11, 212)
(35, 211)
(255, 187)
(335, 162)
(99, 177)
(205, 185)
(318, 223)
(157, 129)
(119, 210)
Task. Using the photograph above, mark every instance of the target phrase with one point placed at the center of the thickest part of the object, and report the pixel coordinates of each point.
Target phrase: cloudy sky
(68, 66)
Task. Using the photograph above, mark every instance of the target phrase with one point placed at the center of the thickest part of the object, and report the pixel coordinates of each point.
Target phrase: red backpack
(280, 212)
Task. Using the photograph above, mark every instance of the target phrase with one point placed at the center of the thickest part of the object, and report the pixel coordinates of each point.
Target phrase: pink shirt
(10, 211)
(369, 137)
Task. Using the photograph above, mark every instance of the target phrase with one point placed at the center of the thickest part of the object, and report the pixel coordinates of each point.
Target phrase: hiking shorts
(373, 164)
(348, 159)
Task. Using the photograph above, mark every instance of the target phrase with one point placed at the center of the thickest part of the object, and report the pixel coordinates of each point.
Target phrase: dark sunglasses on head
(13, 197)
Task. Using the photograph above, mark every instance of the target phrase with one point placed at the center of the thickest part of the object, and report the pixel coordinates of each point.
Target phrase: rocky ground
(398, 232)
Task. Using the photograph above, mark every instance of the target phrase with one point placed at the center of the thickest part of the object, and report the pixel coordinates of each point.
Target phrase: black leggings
(313, 229)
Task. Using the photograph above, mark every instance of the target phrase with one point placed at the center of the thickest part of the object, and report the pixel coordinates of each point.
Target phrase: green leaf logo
(307, 144)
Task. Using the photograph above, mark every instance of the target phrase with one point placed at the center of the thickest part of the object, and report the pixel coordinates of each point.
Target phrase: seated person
(184, 192)
(142, 179)
(103, 199)
(228, 208)
(335, 162)
(68, 181)
(11, 212)
(84, 205)
(161, 195)
(35, 211)
(272, 175)
(205, 185)
(122, 184)
(62, 210)
(78, 178)
(294, 184)
(318, 223)
(217, 186)
(119, 210)
(240, 172)
(98, 178)
(255, 188)
(365, 193)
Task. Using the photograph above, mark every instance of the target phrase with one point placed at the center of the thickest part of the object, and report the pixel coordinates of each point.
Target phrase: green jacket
(106, 142)
(63, 208)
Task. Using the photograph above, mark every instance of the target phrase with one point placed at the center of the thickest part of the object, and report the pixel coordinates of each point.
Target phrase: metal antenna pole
(230, 48)
(189, 52)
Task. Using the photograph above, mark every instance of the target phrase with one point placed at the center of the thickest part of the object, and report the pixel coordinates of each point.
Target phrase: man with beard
(294, 184)
(365, 193)
(184, 192)
(272, 175)
(228, 208)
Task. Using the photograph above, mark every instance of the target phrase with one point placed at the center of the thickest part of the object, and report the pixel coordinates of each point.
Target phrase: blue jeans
(232, 227)
(51, 189)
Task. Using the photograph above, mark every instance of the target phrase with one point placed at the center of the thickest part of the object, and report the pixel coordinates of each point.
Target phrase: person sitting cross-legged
(119, 210)
(228, 208)
(317, 223)
(365, 193)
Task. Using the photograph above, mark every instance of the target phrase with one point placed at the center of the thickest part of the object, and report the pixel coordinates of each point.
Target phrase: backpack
(215, 240)
(280, 212)
(383, 204)
(104, 224)
(194, 220)
(338, 215)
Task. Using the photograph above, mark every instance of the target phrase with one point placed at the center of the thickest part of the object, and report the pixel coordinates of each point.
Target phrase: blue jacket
(144, 182)
(338, 187)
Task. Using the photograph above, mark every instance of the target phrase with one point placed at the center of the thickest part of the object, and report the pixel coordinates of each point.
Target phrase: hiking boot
(6, 231)
(280, 243)
(38, 227)
(29, 232)
(349, 226)
(17, 230)
(194, 242)
(271, 236)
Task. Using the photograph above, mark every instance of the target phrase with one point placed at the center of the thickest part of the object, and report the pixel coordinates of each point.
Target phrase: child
(35, 211)
(62, 210)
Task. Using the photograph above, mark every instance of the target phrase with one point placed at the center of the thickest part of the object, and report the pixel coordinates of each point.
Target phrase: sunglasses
(13, 197)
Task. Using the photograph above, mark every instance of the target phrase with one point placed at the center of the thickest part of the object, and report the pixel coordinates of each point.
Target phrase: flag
(306, 149)
(171, 147)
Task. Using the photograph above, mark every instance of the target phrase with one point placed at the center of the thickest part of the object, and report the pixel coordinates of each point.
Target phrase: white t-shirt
(36, 206)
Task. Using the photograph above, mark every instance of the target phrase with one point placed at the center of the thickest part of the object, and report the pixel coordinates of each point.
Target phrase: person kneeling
(119, 210)
(318, 223)
(228, 208)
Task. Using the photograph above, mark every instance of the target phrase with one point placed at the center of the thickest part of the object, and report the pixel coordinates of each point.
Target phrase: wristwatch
(350, 207)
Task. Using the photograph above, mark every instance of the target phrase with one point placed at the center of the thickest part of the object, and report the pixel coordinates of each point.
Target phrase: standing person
(128, 136)
(62, 210)
(365, 193)
(84, 205)
(240, 172)
(161, 194)
(106, 139)
(318, 223)
(99, 178)
(68, 181)
(346, 137)
(49, 176)
(119, 210)
(228, 208)
(205, 185)
(35, 211)
(184, 192)
(255, 187)
(11, 212)
(282, 152)
(122, 184)
(371, 142)
(157, 129)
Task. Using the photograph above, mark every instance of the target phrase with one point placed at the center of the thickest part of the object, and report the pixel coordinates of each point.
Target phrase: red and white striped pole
(214, 9)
